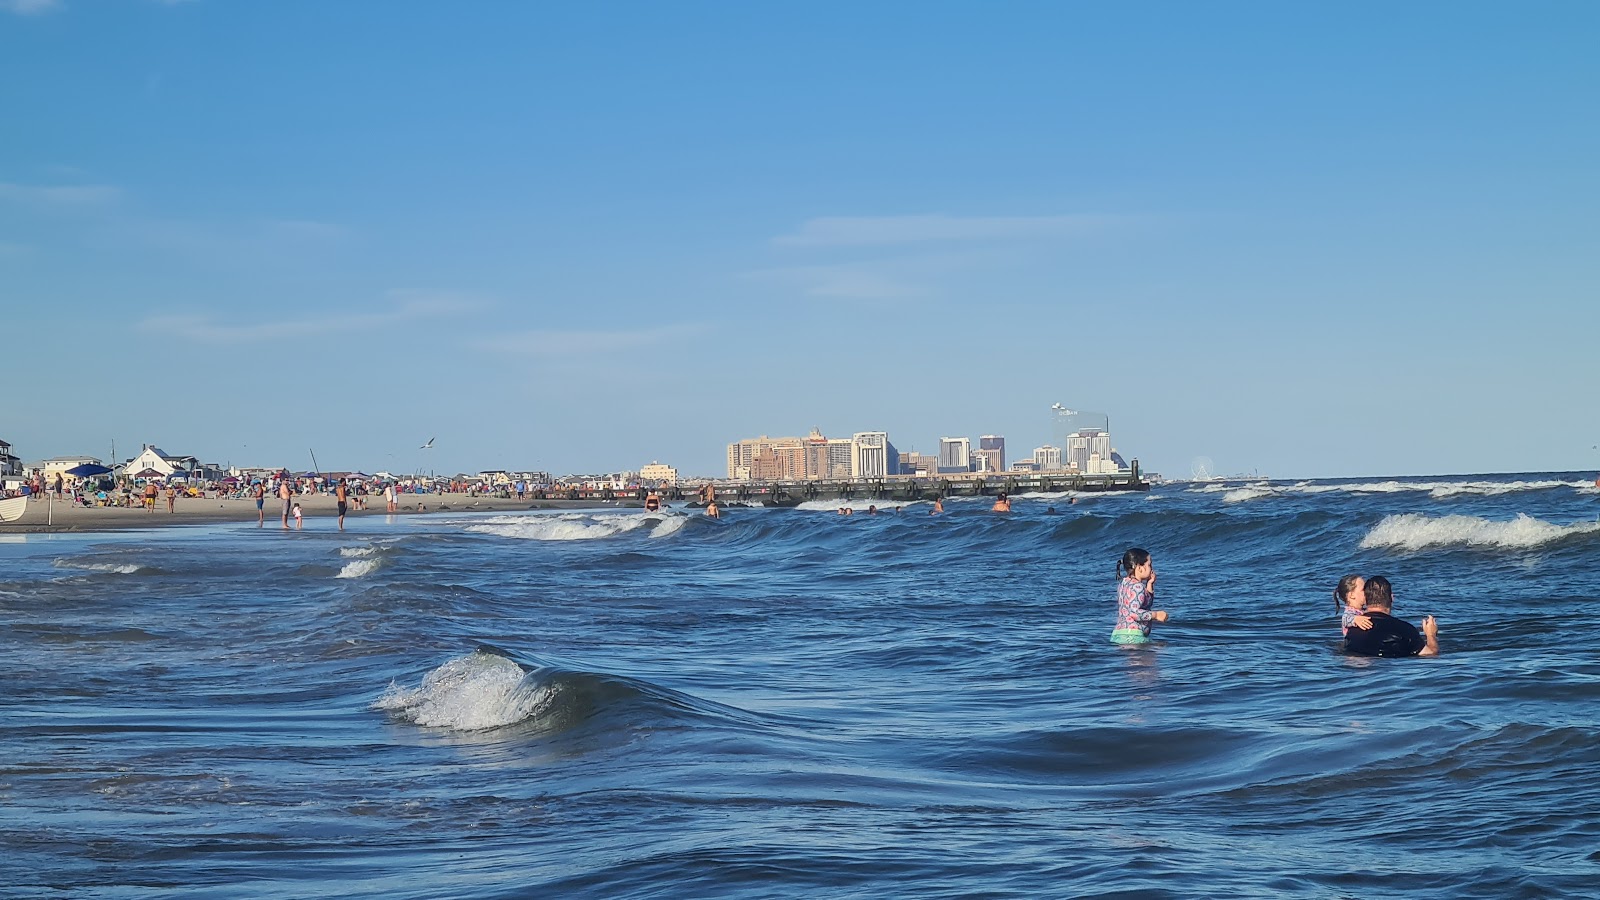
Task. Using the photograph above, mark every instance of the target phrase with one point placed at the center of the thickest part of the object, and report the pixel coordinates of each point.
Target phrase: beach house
(153, 458)
(9, 464)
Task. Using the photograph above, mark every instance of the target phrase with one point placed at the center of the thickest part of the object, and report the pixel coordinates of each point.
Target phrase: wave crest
(471, 693)
(113, 568)
(1413, 531)
(579, 526)
(357, 568)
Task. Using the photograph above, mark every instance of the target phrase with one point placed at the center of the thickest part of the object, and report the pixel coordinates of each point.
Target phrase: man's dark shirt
(1387, 637)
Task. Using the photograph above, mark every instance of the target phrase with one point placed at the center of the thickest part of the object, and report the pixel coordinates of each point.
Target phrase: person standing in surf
(341, 494)
(1136, 592)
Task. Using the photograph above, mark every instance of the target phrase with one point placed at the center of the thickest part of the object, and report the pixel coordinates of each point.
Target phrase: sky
(1293, 239)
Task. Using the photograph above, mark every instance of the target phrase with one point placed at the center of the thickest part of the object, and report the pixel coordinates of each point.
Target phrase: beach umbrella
(179, 475)
(87, 470)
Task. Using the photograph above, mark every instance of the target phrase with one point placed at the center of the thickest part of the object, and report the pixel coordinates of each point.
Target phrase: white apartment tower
(869, 454)
(955, 453)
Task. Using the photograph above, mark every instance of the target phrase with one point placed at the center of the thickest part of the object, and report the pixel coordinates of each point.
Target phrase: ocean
(793, 703)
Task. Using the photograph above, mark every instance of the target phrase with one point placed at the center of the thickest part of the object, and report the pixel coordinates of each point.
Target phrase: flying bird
(428, 445)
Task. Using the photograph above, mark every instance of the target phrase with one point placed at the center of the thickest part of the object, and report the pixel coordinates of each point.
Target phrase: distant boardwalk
(899, 488)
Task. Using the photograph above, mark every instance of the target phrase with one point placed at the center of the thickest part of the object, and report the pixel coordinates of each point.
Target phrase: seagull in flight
(428, 445)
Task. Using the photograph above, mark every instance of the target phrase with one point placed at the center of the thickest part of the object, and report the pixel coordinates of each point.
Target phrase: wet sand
(319, 512)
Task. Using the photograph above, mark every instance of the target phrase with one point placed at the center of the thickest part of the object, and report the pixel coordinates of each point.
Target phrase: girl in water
(1136, 590)
(1350, 596)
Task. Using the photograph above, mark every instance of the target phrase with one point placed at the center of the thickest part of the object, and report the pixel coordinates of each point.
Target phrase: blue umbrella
(87, 470)
(179, 475)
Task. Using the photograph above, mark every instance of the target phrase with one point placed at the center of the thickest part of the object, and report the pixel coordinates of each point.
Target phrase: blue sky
(1299, 239)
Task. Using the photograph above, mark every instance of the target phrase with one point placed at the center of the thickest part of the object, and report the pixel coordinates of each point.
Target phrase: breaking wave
(1249, 492)
(358, 568)
(1437, 490)
(486, 690)
(580, 526)
(1413, 531)
(113, 568)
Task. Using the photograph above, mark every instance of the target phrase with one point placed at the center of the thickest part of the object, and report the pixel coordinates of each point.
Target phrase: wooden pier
(890, 489)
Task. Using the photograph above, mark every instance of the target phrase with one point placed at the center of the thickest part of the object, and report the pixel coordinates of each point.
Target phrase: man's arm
(1430, 633)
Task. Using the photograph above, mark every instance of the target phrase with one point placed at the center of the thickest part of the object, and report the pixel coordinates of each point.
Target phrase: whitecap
(1412, 531)
(114, 568)
(578, 526)
(862, 505)
(358, 568)
(348, 552)
(470, 693)
(1249, 492)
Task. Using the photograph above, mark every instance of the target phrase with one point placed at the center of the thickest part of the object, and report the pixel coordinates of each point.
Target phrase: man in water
(1389, 636)
(652, 502)
(1001, 504)
(712, 510)
(285, 497)
(341, 493)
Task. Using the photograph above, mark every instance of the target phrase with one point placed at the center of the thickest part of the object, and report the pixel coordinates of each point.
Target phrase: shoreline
(44, 517)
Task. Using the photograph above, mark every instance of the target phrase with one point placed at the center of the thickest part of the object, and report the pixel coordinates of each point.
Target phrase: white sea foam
(1249, 492)
(669, 525)
(469, 693)
(1438, 490)
(857, 505)
(1412, 531)
(579, 526)
(357, 568)
(348, 552)
(114, 568)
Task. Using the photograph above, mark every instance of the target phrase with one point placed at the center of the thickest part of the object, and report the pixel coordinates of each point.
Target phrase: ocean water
(794, 703)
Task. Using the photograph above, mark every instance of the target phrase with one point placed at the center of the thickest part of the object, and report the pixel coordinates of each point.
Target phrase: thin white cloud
(881, 278)
(863, 281)
(29, 7)
(541, 343)
(60, 197)
(867, 231)
(411, 307)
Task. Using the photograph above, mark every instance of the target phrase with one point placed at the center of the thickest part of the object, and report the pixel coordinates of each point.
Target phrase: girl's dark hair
(1379, 593)
(1346, 585)
(1133, 559)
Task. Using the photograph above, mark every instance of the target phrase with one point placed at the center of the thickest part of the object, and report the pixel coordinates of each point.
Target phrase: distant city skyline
(1303, 240)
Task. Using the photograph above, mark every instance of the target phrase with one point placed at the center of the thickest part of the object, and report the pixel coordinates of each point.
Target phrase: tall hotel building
(872, 456)
(955, 454)
(869, 454)
(1047, 458)
(993, 447)
(1088, 443)
(828, 458)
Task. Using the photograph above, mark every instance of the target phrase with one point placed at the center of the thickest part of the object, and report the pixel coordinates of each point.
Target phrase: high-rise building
(994, 446)
(872, 456)
(1086, 443)
(1047, 458)
(742, 455)
(779, 462)
(955, 454)
(827, 458)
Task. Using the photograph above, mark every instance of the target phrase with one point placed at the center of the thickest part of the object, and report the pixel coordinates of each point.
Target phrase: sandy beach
(319, 512)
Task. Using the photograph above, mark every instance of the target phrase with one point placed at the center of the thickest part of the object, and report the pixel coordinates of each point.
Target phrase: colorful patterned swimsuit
(1133, 612)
